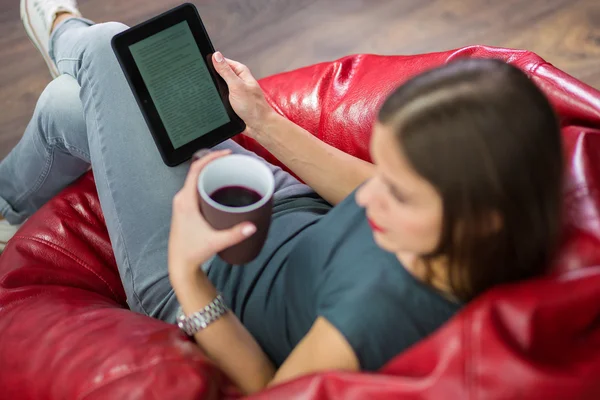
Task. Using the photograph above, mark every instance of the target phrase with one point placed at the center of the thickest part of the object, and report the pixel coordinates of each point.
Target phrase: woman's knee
(59, 112)
(101, 36)
(61, 98)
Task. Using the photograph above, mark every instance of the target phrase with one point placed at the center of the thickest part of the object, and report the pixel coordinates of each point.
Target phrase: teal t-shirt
(323, 261)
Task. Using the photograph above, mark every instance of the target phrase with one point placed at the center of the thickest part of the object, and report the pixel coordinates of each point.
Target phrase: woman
(464, 195)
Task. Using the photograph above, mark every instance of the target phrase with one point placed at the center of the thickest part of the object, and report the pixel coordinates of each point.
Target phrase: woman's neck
(434, 273)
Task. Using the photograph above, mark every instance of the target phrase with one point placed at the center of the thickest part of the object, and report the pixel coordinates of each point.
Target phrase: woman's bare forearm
(332, 173)
(226, 341)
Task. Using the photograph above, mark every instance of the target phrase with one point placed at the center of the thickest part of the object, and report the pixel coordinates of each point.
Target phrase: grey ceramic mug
(245, 171)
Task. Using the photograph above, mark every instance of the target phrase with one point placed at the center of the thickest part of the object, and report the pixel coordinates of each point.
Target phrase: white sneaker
(7, 231)
(38, 17)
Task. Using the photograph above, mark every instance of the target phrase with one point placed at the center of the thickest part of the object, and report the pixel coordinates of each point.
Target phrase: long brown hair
(489, 141)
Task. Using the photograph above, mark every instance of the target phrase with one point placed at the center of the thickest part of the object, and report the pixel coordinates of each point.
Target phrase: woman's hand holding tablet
(168, 64)
(245, 94)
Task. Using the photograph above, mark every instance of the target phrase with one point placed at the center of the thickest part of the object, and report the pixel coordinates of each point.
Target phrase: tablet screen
(179, 84)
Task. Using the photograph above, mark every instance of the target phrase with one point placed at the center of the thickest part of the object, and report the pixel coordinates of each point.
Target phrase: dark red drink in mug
(233, 189)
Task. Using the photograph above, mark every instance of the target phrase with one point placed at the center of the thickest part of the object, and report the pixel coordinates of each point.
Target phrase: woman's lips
(374, 226)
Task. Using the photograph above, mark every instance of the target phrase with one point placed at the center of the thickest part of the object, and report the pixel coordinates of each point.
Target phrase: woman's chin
(381, 241)
(388, 245)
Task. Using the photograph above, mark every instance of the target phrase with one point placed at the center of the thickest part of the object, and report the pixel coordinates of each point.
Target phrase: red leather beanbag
(66, 332)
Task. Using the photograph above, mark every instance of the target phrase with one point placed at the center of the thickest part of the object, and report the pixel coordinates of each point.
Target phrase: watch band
(201, 319)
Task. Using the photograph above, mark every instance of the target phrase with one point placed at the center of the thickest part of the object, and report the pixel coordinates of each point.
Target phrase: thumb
(228, 237)
(223, 68)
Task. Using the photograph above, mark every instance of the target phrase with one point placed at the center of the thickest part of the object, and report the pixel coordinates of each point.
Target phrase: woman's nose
(365, 193)
(373, 197)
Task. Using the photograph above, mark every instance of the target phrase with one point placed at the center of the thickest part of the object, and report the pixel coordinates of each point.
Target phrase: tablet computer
(167, 61)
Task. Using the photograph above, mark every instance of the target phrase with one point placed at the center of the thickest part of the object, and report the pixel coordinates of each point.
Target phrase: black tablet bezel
(120, 44)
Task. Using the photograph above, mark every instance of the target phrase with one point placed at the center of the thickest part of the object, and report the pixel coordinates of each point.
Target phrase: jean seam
(58, 31)
(41, 179)
(102, 148)
(68, 59)
(70, 148)
(6, 208)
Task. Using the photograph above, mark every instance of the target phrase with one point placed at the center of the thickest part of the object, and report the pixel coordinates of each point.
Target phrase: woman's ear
(497, 221)
(493, 222)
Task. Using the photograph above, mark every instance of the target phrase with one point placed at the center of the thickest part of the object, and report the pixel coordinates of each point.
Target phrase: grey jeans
(86, 116)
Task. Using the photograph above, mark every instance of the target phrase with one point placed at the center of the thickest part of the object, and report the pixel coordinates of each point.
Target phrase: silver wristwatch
(201, 319)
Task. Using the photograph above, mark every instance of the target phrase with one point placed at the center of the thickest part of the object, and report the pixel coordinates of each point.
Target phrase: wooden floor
(277, 35)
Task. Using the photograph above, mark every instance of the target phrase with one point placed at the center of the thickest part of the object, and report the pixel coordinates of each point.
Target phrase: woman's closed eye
(395, 192)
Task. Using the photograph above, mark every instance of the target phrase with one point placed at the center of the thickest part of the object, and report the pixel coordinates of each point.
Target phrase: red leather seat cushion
(65, 331)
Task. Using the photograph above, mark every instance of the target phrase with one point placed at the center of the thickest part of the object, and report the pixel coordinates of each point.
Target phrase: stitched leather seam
(138, 369)
(536, 66)
(72, 256)
(21, 300)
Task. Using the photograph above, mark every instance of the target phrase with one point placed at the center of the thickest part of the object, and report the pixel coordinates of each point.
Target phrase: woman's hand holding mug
(192, 239)
(245, 94)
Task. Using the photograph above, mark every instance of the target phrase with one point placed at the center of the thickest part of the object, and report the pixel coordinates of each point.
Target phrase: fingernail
(199, 154)
(219, 56)
(248, 230)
